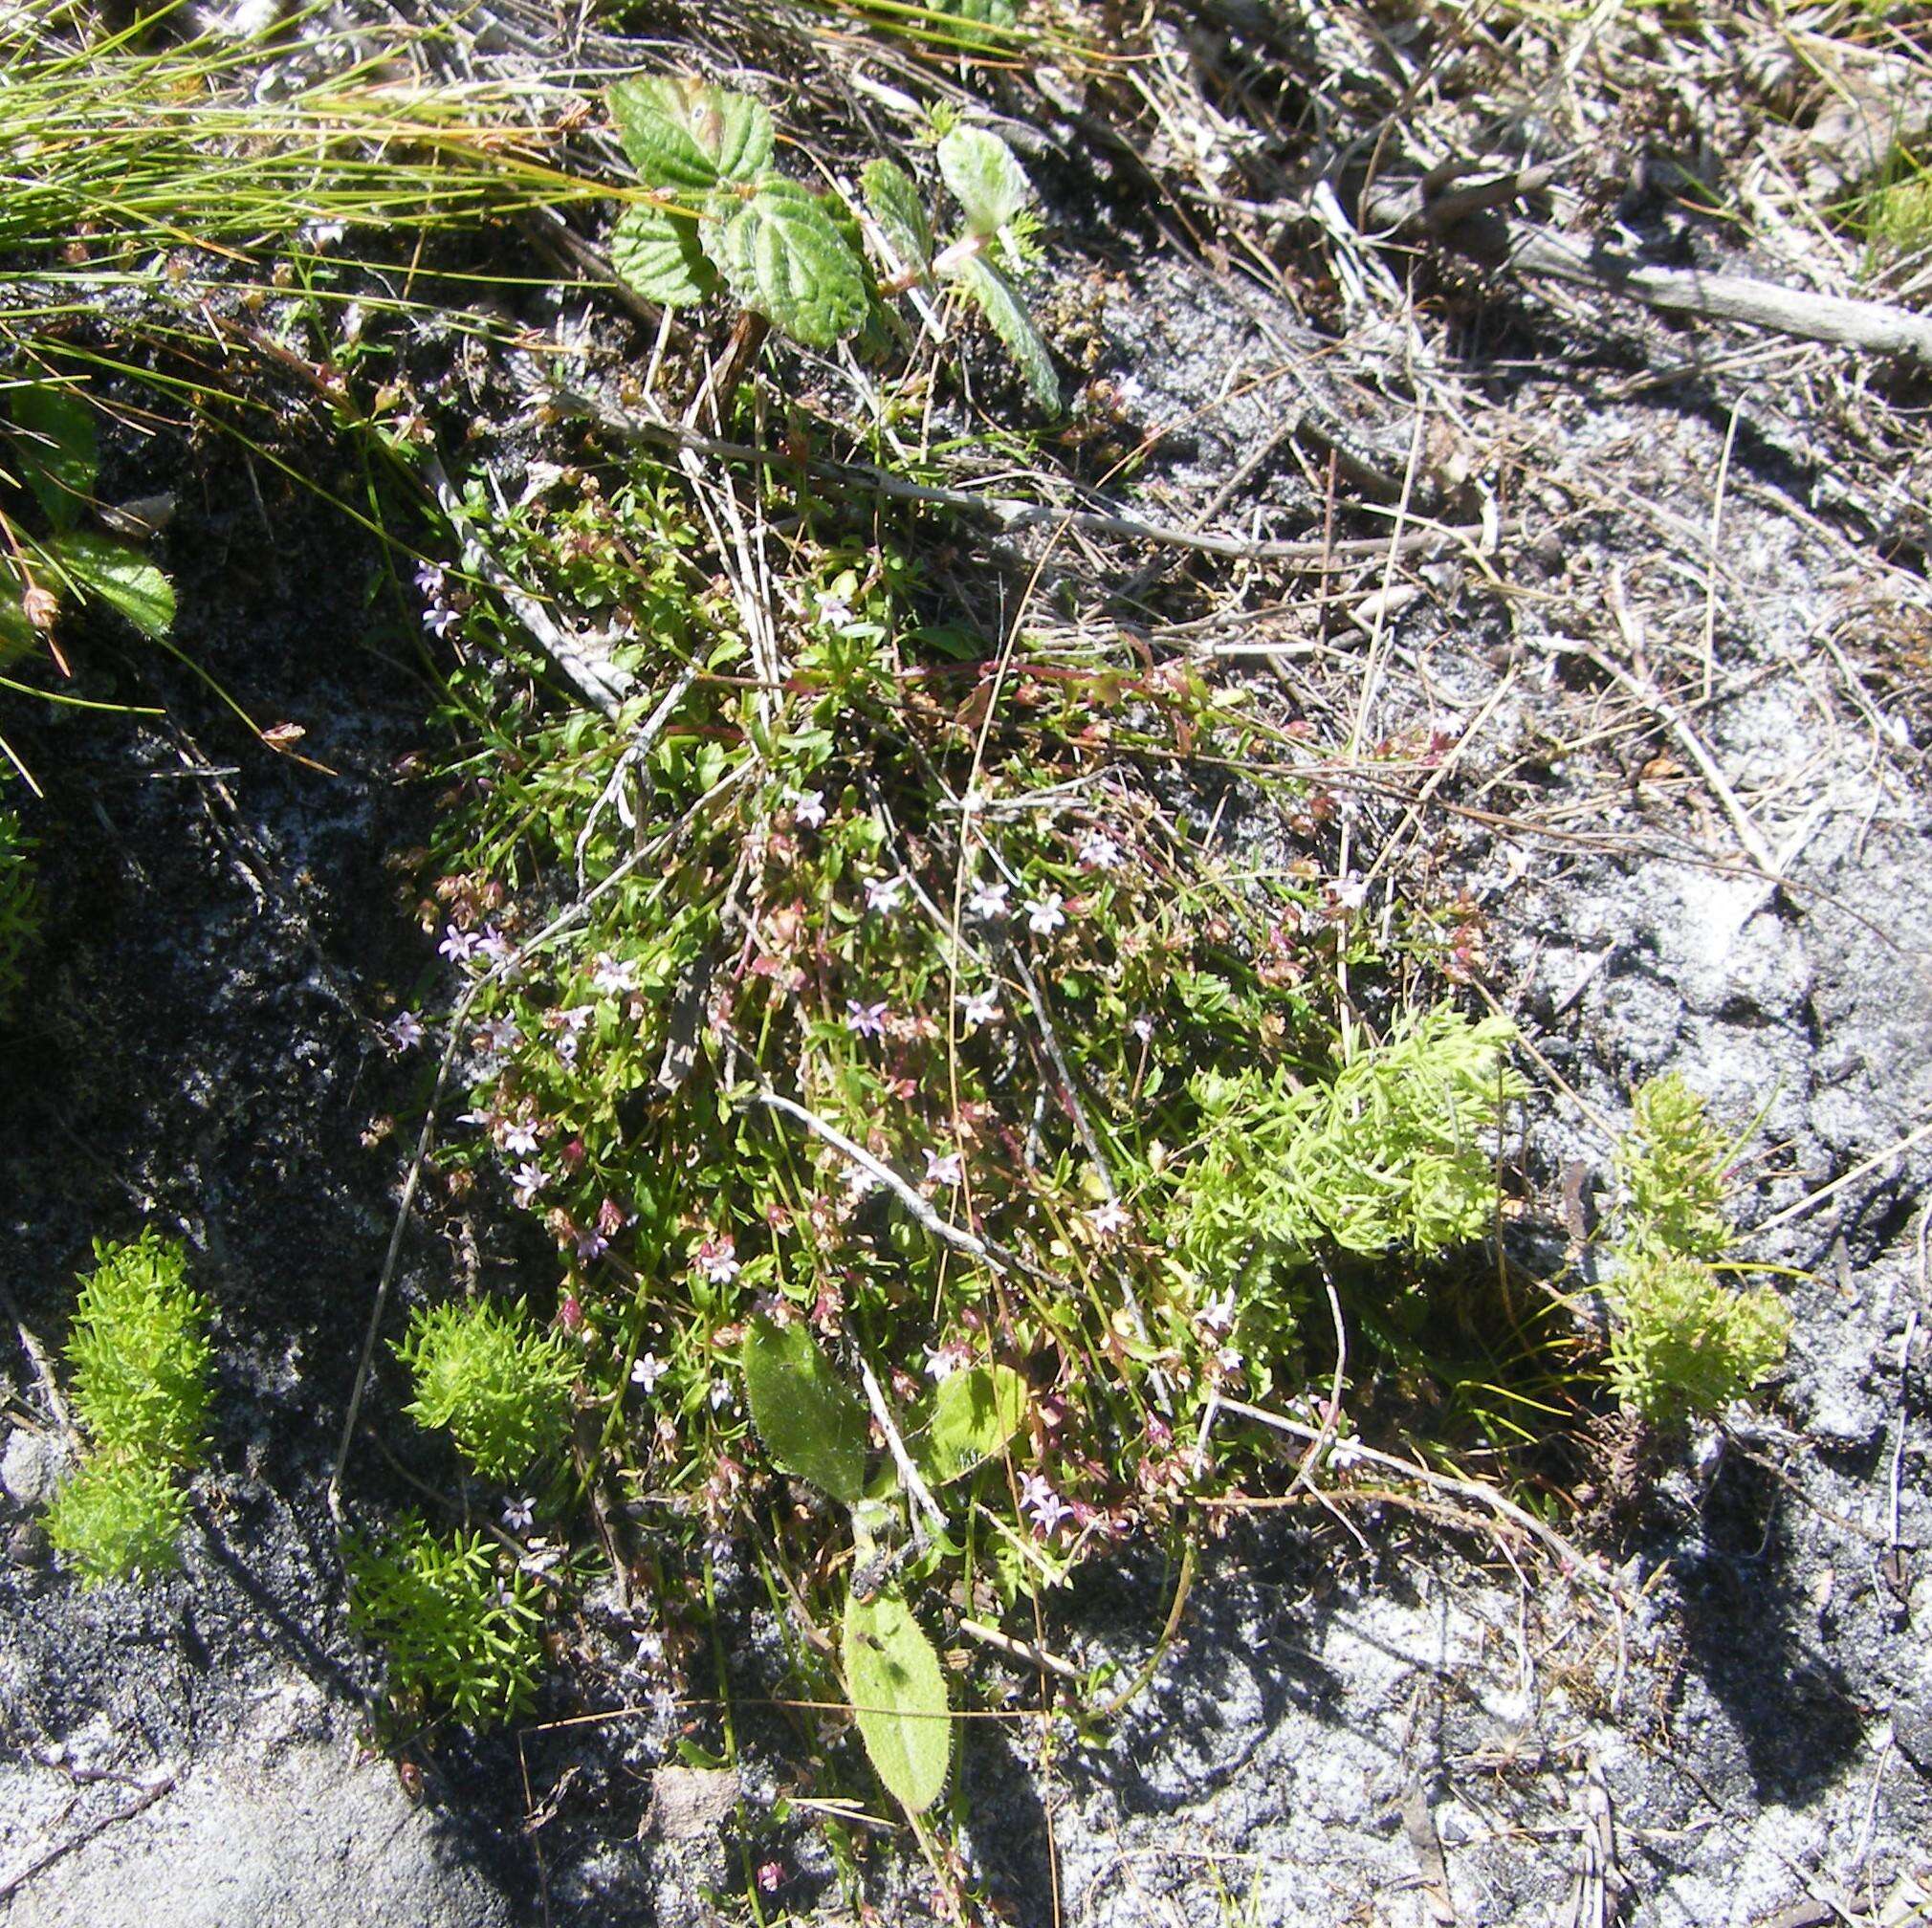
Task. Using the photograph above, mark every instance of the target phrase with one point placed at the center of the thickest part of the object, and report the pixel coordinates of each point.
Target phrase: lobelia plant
(722, 218)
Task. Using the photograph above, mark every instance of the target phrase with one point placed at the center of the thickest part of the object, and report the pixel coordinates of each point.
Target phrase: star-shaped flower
(1045, 916)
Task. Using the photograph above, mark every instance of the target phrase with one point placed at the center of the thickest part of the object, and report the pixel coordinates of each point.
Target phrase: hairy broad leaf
(656, 255)
(1000, 302)
(784, 258)
(119, 576)
(975, 1412)
(986, 179)
(56, 448)
(681, 133)
(899, 1695)
(893, 198)
(812, 1423)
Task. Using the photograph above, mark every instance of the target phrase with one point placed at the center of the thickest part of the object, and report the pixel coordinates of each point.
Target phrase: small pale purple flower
(646, 1371)
(720, 1398)
(1108, 1219)
(430, 580)
(568, 1043)
(808, 807)
(1217, 1315)
(1045, 1507)
(405, 1031)
(573, 1018)
(943, 1361)
(591, 1244)
(518, 1514)
(439, 619)
(458, 946)
(528, 1180)
(718, 1259)
(492, 946)
(988, 902)
(613, 977)
(885, 894)
(1142, 1028)
(771, 1875)
(498, 1034)
(520, 1140)
(865, 1020)
(944, 1167)
(1098, 852)
(1045, 916)
(982, 1007)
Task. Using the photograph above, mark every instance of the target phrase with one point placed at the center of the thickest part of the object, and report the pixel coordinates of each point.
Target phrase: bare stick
(146, 1799)
(908, 1474)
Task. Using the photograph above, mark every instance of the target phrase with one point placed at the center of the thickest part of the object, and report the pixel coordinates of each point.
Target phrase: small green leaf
(656, 255)
(1000, 302)
(812, 1423)
(784, 257)
(975, 1412)
(893, 197)
(898, 1693)
(17, 636)
(59, 452)
(681, 133)
(988, 182)
(119, 576)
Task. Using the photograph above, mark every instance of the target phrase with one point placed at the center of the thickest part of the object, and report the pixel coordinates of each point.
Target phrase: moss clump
(460, 1631)
(501, 1387)
(1687, 1345)
(140, 1356)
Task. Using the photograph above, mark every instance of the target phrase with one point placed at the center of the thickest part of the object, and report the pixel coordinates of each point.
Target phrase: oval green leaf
(58, 451)
(975, 1412)
(119, 576)
(1000, 303)
(656, 255)
(898, 1694)
(784, 258)
(812, 1423)
(893, 198)
(984, 177)
(678, 132)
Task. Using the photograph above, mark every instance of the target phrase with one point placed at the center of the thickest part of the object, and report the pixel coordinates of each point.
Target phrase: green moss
(1685, 1344)
(119, 1515)
(460, 1631)
(140, 1352)
(501, 1387)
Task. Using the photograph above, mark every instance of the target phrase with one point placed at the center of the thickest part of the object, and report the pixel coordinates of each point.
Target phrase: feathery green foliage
(458, 1622)
(119, 1515)
(140, 1352)
(1671, 1166)
(500, 1386)
(1685, 1344)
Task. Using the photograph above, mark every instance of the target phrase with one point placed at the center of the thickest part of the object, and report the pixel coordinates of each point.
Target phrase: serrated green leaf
(812, 1423)
(784, 258)
(893, 197)
(975, 1412)
(898, 1692)
(984, 177)
(1000, 303)
(59, 452)
(681, 133)
(656, 255)
(119, 576)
